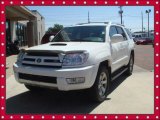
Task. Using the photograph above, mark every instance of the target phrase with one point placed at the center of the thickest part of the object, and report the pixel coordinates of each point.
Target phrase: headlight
(72, 59)
(20, 55)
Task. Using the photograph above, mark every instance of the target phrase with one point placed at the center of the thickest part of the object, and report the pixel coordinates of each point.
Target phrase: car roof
(98, 24)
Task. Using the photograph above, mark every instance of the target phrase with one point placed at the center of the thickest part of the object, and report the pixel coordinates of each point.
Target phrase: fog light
(75, 80)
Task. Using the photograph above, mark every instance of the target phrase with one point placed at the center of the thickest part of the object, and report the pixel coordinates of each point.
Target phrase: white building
(24, 25)
(39, 26)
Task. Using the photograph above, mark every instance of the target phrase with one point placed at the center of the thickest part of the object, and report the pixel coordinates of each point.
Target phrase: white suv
(85, 56)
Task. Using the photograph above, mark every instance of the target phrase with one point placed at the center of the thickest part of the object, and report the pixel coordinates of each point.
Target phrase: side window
(121, 31)
(129, 33)
(112, 31)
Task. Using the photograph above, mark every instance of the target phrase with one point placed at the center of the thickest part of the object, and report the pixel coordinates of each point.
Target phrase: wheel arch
(107, 64)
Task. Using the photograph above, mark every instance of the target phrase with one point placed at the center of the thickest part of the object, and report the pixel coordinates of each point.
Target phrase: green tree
(56, 28)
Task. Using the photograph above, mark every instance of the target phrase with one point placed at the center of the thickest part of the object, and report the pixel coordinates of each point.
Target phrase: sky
(71, 15)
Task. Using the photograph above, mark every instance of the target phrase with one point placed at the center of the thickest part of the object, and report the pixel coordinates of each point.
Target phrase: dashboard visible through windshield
(81, 34)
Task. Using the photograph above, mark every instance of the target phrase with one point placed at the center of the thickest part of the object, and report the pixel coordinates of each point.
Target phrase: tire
(130, 66)
(33, 88)
(100, 88)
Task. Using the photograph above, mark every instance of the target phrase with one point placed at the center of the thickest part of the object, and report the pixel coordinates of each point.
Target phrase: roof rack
(101, 22)
(118, 24)
(92, 22)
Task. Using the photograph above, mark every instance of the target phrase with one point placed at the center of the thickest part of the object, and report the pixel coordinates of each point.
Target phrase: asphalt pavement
(144, 56)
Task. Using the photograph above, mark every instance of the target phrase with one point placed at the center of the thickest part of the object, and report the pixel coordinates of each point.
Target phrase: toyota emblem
(38, 60)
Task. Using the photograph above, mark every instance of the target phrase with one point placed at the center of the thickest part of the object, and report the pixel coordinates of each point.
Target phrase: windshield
(81, 34)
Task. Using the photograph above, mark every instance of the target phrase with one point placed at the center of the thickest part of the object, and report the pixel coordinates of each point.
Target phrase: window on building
(20, 34)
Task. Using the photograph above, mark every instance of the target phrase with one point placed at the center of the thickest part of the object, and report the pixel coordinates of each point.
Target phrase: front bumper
(89, 73)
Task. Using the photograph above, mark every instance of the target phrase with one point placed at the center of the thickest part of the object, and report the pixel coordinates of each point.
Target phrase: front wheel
(130, 65)
(100, 88)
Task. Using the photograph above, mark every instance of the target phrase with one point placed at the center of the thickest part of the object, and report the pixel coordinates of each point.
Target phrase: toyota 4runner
(84, 56)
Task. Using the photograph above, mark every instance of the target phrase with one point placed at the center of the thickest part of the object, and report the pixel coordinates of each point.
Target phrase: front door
(116, 50)
(124, 46)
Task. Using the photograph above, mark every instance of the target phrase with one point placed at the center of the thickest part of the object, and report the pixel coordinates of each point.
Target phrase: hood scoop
(58, 44)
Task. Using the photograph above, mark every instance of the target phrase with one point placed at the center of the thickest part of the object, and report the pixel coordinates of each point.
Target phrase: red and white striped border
(4, 3)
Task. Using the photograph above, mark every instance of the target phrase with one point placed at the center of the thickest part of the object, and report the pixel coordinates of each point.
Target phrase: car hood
(68, 46)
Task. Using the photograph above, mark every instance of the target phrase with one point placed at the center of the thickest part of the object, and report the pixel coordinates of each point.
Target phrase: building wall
(42, 28)
(39, 27)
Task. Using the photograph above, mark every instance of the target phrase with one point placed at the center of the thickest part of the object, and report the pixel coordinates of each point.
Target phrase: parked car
(135, 40)
(140, 41)
(144, 41)
(46, 37)
(85, 56)
(149, 41)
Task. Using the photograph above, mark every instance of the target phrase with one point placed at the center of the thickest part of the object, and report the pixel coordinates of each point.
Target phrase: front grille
(38, 78)
(42, 59)
(42, 53)
(29, 59)
(49, 60)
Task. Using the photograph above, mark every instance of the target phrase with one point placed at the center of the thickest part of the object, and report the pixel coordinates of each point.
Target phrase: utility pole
(121, 12)
(88, 18)
(142, 21)
(148, 11)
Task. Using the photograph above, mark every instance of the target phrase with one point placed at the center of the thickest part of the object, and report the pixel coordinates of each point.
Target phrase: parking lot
(144, 56)
(131, 95)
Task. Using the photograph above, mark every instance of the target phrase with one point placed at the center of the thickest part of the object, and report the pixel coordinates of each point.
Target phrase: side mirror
(51, 37)
(117, 38)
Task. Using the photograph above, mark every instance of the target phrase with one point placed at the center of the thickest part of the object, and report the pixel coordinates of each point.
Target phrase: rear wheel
(101, 86)
(130, 65)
